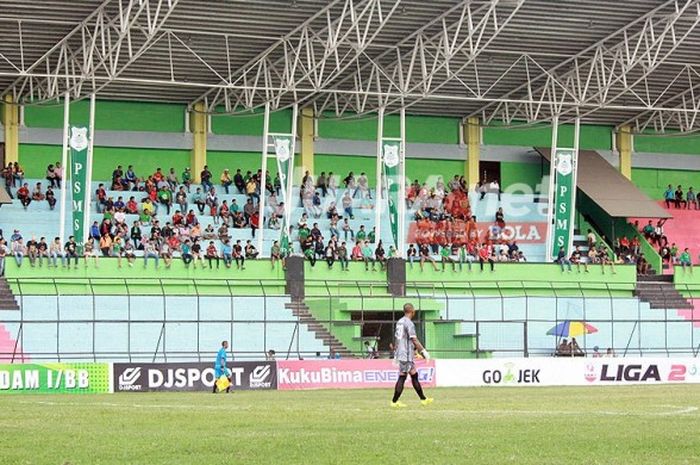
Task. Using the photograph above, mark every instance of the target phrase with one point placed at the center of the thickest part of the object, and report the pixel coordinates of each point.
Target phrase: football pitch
(607, 425)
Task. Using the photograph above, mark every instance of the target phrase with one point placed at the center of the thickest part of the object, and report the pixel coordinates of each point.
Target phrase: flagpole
(66, 170)
(402, 186)
(378, 189)
(550, 194)
(88, 183)
(261, 201)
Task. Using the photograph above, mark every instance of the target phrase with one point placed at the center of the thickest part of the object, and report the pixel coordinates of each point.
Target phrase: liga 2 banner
(45, 378)
(79, 181)
(145, 377)
(567, 371)
(564, 162)
(347, 374)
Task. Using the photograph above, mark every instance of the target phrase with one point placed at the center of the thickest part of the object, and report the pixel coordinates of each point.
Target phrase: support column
(199, 140)
(624, 147)
(305, 160)
(472, 136)
(10, 119)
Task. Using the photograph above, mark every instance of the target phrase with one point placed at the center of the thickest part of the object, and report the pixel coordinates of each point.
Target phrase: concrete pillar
(199, 140)
(472, 136)
(304, 161)
(624, 147)
(10, 120)
(396, 276)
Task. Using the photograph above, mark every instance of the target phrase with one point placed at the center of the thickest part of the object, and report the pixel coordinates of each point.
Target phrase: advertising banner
(567, 371)
(79, 181)
(391, 159)
(144, 377)
(346, 374)
(564, 200)
(55, 377)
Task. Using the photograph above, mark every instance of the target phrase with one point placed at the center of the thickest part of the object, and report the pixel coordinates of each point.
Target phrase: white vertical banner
(88, 182)
(378, 183)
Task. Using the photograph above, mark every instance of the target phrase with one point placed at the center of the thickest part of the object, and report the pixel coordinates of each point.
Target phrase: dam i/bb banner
(46, 378)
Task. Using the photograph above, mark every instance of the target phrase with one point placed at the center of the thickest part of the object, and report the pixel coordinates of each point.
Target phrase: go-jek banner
(346, 374)
(567, 371)
(79, 181)
(391, 161)
(55, 377)
(564, 199)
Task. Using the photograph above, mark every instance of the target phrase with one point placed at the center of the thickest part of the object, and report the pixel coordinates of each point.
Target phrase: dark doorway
(490, 170)
(377, 326)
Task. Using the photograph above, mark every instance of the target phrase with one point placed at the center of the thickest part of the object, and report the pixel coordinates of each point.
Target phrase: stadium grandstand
(287, 174)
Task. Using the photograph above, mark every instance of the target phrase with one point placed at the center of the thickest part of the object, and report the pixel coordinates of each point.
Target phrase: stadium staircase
(10, 350)
(301, 310)
(7, 298)
(659, 292)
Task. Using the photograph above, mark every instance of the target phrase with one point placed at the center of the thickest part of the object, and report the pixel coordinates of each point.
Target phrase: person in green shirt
(361, 234)
(342, 252)
(303, 234)
(372, 235)
(392, 251)
(187, 178)
(310, 255)
(368, 256)
(674, 253)
(446, 257)
(165, 197)
(465, 257)
(275, 253)
(685, 260)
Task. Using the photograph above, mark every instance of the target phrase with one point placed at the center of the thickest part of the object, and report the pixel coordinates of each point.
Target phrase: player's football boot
(398, 404)
(426, 401)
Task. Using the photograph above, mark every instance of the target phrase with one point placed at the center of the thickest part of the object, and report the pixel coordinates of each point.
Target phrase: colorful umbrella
(572, 329)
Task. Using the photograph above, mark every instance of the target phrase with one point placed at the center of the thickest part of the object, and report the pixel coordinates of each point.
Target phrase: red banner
(522, 233)
(346, 374)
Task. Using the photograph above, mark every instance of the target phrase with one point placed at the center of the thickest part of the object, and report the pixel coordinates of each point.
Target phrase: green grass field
(608, 425)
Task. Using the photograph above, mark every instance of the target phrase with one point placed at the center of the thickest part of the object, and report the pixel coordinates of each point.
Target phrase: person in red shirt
(212, 254)
(178, 218)
(254, 221)
(191, 218)
(23, 195)
(131, 206)
(225, 213)
(158, 175)
(485, 256)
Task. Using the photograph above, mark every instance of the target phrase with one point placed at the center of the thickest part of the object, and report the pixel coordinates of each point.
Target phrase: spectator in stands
(577, 259)
(467, 254)
(691, 199)
(411, 254)
(368, 255)
(171, 179)
(205, 176)
(4, 252)
(356, 253)
(24, 196)
(56, 252)
(678, 199)
(239, 182)
(380, 255)
(150, 251)
(275, 254)
(51, 176)
(604, 258)
(563, 260)
(342, 253)
(322, 183)
(31, 251)
(332, 184)
(212, 254)
(254, 222)
(71, 251)
(106, 245)
(238, 255)
(485, 255)
(118, 250)
(669, 196)
(90, 250)
(424, 253)
(226, 180)
(100, 197)
(132, 182)
(347, 206)
(564, 349)
(50, 198)
(181, 199)
(685, 261)
(251, 253)
(362, 187)
(591, 239)
(18, 173)
(18, 251)
(251, 190)
(446, 257)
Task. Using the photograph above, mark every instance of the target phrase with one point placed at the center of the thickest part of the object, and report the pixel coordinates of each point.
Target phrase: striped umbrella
(572, 329)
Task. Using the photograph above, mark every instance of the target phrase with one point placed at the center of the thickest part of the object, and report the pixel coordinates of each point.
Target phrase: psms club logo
(511, 375)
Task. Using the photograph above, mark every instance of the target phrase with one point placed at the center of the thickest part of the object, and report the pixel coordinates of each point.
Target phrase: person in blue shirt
(669, 196)
(220, 365)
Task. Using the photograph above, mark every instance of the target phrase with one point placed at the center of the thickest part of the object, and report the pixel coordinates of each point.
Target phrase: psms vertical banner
(79, 142)
(391, 160)
(565, 162)
(285, 161)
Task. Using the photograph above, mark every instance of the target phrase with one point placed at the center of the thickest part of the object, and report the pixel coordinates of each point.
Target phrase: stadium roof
(508, 61)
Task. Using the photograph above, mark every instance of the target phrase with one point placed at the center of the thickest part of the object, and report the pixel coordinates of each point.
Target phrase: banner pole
(66, 168)
(378, 190)
(402, 186)
(88, 183)
(574, 176)
(290, 172)
(261, 202)
(550, 193)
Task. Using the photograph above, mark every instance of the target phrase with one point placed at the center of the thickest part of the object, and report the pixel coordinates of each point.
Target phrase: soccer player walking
(406, 343)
